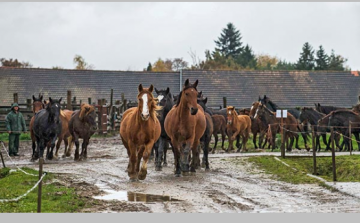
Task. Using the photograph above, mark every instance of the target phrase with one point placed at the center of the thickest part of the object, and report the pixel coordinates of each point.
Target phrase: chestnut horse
(139, 130)
(65, 116)
(37, 106)
(185, 124)
(237, 125)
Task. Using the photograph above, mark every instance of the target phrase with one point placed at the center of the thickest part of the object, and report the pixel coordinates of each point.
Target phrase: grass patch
(5, 137)
(55, 198)
(347, 168)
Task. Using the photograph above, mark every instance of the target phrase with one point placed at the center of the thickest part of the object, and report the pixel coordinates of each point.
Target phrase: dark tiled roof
(287, 89)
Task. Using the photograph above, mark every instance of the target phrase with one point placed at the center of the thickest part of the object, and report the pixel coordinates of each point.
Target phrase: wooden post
(41, 161)
(68, 100)
(99, 115)
(2, 159)
(314, 148)
(333, 153)
(350, 140)
(89, 101)
(282, 147)
(28, 104)
(16, 98)
(224, 102)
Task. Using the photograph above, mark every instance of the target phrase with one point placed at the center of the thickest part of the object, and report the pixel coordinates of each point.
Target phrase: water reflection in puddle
(134, 197)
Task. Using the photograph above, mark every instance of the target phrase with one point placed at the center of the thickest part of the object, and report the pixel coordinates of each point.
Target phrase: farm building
(241, 88)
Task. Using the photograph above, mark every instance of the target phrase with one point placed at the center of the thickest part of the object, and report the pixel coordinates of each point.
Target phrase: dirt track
(232, 185)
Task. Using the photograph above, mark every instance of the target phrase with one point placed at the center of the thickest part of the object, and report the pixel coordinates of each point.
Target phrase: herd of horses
(185, 123)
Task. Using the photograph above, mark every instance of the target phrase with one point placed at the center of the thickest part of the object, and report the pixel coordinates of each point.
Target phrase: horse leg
(296, 141)
(83, 148)
(86, 140)
(70, 143)
(195, 156)
(166, 147)
(238, 142)
(76, 139)
(66, 146)
(51, 154)
(254, 140)
(34, 154)
(216, 141)
(132, 173)
(58, 144)
(158, 147)
(223, 136)
(145, 156)
(175, 149)
(206, 153)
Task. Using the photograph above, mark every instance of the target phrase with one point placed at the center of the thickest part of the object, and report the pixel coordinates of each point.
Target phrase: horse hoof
(207, 169)
(134, 179)
(186, 173)
(165, 164)
(203, 165)
(177, 175)
(158, 168)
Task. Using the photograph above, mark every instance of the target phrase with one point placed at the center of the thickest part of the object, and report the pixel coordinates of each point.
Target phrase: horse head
(53, 107)
(37, 103)
(202, 102)
(188, 97)
(231, 114)
(163, 96)
(253, 108)
(147, 104)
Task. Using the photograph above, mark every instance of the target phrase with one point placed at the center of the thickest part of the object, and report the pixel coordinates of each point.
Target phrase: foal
(139, 130)
(237, 125)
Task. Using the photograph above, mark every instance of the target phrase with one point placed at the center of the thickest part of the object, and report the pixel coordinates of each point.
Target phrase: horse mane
(85, 109)
(62, 113)
(273, 105)
(343, 111)
(180, 94)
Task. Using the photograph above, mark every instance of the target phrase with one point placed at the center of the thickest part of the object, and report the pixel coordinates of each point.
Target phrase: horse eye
(186, 94)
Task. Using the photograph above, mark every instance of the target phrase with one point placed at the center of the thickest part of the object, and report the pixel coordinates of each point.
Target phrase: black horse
(311, 116)
(206, 138)
(47, 127)
(295, 112)
(327, 109)
(340, 120)
(161, 146)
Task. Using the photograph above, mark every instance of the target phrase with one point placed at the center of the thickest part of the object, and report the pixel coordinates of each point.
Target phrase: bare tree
(81, 64)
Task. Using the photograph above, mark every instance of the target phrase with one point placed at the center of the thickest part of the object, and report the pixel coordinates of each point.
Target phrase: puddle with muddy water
(133, 197)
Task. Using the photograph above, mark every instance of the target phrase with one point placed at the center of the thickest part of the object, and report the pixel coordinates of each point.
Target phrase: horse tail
(71, 144)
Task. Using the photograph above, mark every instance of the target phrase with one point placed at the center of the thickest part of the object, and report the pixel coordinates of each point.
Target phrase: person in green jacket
(15, 124)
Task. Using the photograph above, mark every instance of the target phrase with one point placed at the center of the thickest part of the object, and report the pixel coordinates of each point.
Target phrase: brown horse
(37, 106)
(257, 126)
(185, 124)
(237, 125)
(139, 130)
(290, 124)
(65, 116)
(219, 128)
(82, 125)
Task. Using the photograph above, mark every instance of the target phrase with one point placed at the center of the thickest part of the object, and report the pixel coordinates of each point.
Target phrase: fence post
(282, 147)
(314, 148)
(68, 100)
(333, 153)
(16, 98)
(28, 104)
(99, 116)
(89, 101)
(2, 159)
(41, 161)
(350, 141)
(224, 102)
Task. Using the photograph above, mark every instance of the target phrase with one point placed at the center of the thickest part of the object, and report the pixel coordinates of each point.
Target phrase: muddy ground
(232, 185)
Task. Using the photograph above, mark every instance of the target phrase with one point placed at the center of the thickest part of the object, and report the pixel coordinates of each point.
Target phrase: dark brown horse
(219, 128)
(290, 124)
(237, 125)
(37, 106)
(327, 109)
(139, 130)
(82, 125)
(185, 124)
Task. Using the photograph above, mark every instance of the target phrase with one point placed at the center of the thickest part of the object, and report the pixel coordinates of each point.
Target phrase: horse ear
(167, 90)
(196, 83)
(205, 100)
(33, 97)
(41, 97)
(156, 90)
(319, 104)
(264, 96)
(259, 98)
(50, 99)
(60, 100)
(140, 88)
(187, 82)
(151, 88)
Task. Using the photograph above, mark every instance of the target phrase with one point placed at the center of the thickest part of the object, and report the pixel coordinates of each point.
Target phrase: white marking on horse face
(229, 112)
(56, 105)
(192, 89)
(145, 110)
(251, 107)
(160, 97)
(256, 113)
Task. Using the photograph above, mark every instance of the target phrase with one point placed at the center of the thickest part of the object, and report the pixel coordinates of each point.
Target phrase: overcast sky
(127, 36)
